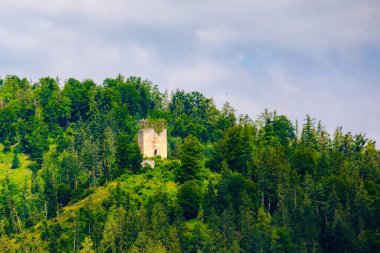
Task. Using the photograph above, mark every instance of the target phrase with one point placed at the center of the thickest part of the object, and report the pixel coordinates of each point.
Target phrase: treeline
(230, 184)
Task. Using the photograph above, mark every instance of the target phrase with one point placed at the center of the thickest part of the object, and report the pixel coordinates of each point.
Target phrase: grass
(18, 176)
(139, 187)
(94, 200)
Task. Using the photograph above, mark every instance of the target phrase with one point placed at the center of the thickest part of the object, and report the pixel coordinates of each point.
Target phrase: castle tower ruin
(152, 140)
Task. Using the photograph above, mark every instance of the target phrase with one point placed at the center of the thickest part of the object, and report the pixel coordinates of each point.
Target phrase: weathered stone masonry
(152, 143)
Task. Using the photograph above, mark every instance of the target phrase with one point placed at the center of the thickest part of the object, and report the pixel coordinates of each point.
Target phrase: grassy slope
(19, 176)
(138, 186)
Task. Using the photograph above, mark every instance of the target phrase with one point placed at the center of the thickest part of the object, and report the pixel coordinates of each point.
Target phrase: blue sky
(295, 56)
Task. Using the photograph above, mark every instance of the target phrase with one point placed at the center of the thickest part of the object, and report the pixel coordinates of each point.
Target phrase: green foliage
(191, 157)
(112, 233)
(77, 184)
(174, 245)
(144, 244)
(174, 147)
(7, 146)
(277, 130)
(157, 124)
(15, 161)
(87, 246)
(6, 245)
(128, 156)
(189, 199)
(81, 95)
(58, 110)
(159, 222)
(108, 150)
(198, 237)
(193, 114)
(236, 147)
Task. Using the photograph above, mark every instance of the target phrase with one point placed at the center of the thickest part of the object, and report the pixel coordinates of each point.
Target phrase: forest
(71, 178)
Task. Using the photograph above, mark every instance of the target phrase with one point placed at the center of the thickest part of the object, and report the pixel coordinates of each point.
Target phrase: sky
(297, 57)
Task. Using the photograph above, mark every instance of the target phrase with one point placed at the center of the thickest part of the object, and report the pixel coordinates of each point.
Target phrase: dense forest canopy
(71, 178)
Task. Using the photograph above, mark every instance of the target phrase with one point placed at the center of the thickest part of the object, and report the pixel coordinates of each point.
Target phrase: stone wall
(152, 143)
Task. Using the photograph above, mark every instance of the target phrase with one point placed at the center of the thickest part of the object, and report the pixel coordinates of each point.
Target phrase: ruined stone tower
(153, 139)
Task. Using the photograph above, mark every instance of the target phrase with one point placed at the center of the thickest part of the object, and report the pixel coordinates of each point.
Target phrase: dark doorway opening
(155, 152)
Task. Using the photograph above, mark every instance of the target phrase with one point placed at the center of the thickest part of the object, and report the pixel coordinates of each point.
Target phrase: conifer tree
(87, 245)
(191, 158)
(159, 222)
(174, 245)
(189, 199)
(15, 161)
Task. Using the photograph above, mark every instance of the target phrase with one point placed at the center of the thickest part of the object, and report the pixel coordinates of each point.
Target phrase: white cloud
(296, 56)
(201, 76)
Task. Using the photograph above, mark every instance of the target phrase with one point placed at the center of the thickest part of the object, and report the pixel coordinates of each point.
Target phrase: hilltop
(72, 180)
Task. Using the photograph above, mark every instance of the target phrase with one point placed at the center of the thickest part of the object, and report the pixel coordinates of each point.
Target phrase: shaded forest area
(71, 178)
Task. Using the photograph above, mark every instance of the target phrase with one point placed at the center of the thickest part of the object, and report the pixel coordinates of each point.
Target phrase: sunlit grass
(18, 176)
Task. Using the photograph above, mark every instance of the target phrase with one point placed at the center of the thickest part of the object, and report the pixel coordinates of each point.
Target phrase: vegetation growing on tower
(157, 124)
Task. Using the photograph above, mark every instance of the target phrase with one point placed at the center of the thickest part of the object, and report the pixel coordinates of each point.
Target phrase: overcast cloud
(295, 56)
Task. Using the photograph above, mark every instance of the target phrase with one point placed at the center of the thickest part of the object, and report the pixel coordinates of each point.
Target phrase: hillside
(71, 178)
